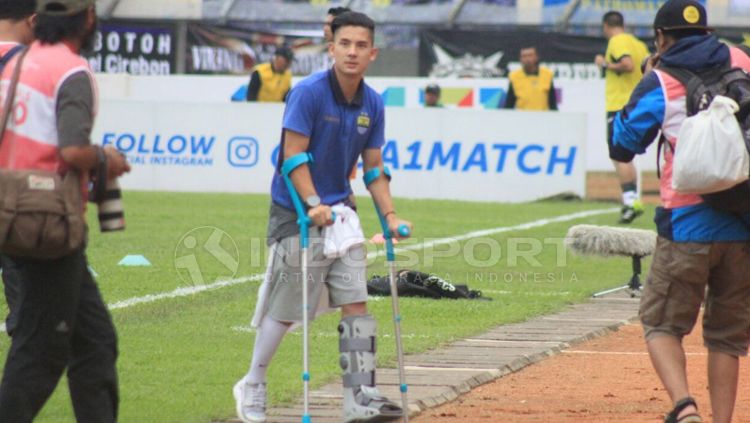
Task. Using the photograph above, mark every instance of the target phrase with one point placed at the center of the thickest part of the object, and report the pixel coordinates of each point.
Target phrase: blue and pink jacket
(659, 104)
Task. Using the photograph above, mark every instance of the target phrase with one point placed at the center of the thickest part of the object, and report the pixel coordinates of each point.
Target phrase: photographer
(63, 323)
(16, 29)
(702, 255)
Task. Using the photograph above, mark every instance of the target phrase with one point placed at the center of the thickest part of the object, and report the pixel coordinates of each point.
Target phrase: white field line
(645, 354)
(184, 292)
(189, 291)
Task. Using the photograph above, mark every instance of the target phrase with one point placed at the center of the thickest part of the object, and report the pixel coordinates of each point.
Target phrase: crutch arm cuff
(294, 162)
(373, 174)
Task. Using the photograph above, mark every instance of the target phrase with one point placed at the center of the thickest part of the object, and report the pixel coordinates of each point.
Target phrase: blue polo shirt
(339, 132)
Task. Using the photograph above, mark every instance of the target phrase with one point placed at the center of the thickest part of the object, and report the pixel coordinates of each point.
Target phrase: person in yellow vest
(531, 87)
(622, 67)
(270, 82)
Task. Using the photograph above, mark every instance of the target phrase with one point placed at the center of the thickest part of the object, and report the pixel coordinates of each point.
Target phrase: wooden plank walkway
(438, 376)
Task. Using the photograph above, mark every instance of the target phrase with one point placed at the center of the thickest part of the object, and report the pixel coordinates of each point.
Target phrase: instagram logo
(242, 152)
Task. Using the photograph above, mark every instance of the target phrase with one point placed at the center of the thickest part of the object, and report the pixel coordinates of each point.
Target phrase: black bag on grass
(418, 284)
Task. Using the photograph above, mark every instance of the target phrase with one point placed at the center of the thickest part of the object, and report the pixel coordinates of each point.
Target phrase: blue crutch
(371, 176)
(304, 223)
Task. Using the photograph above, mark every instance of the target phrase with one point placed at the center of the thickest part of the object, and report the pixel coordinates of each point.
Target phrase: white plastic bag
(345, 233)
(711, 155)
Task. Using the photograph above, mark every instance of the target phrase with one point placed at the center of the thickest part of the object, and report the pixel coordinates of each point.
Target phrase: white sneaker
(251, 401)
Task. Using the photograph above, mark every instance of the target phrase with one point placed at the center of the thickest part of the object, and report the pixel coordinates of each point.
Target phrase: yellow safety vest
(532, 91)
(273, 85)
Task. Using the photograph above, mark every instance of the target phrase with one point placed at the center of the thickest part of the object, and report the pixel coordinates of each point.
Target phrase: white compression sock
(629, 194)
(269, 336)
(629, 198)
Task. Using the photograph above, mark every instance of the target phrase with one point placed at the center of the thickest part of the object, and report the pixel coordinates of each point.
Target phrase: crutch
(304, 222)
(371, 176)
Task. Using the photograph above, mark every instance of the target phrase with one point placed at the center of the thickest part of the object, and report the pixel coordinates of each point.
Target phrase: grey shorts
(345, 278)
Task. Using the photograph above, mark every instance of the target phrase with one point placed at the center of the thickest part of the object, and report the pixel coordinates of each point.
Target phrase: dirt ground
(605, 380)
(605, 186)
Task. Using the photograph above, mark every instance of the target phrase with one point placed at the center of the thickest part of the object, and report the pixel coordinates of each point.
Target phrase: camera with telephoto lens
(107, 196)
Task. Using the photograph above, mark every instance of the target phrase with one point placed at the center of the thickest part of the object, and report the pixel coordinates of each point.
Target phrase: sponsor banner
(190, 147)
(487, 54)
(134, 47)
(576, 96)
(446, 154)
(435, 153)
(214, 49)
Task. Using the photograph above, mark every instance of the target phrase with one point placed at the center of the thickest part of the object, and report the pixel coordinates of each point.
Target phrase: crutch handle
(310, 222)
(404, 231)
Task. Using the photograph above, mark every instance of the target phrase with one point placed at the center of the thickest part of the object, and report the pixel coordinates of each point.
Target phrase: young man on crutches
(332, 118)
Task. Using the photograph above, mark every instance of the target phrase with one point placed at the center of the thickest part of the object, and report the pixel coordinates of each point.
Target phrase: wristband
(385, 216)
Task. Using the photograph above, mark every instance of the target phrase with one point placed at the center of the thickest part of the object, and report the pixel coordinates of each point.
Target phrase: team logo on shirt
(363, 123)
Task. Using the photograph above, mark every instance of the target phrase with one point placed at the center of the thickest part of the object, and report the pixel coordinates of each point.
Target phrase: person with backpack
(17, 19)
(699, 245)
(63, 325)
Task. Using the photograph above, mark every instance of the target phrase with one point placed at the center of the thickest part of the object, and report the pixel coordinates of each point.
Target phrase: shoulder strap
(662, 142)
(681, 74)
(9, 55)
(11, 94)
(693, 85)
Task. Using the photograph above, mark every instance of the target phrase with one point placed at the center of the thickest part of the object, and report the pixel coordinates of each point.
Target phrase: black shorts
(616, 152)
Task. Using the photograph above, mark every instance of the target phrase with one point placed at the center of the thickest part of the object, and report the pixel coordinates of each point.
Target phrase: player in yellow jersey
(622, 67)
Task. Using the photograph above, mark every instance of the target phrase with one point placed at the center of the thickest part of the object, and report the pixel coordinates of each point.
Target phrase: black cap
(63, 7)
(284, 52)
(681, 14)
(433, 89)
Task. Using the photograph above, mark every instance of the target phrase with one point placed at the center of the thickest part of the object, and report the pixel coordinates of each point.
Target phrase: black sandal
(678, 407)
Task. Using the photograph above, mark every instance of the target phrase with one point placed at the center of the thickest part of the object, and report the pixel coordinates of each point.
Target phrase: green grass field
(179, 357)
